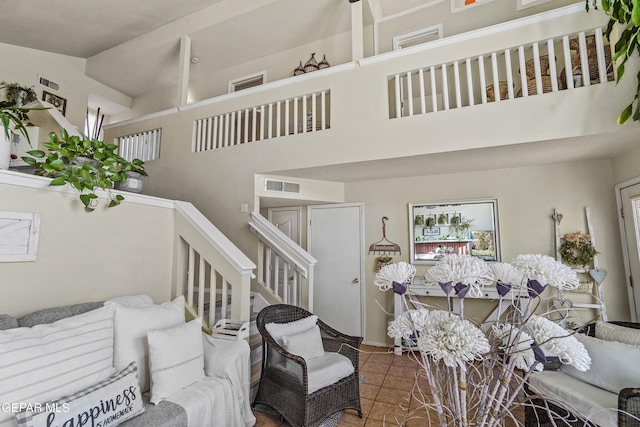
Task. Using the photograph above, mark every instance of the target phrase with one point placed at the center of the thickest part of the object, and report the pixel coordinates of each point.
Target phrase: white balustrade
(559, 63)
(142, 145)
(301, 114)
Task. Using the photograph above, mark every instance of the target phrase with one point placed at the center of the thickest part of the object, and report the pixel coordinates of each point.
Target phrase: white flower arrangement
(469, 371)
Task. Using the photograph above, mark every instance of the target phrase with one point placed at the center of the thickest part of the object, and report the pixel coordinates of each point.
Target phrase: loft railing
(285, 270)
(298, 115)
(210, 271)
(142, 145)
(560, 63)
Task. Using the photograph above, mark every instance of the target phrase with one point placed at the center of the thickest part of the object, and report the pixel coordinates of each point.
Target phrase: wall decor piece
(19, 235)
(466, 227)
(55, 100)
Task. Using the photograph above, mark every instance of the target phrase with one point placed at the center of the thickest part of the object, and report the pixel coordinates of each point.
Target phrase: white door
(630, 212)
(335, 239)
(287, 220)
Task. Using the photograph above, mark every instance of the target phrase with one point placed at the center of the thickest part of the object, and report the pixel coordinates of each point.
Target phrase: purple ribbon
(399, 288)
(503, 288)
(461, 290)
(539, 354)
(534, 288)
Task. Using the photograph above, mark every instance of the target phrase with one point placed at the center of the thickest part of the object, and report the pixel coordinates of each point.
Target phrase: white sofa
(605, 395)
(123, 362)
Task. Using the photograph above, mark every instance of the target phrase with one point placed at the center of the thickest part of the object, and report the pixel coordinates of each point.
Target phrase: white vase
(5, 150)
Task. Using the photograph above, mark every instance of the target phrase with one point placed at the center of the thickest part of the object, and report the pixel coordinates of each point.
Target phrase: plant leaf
(625, 115)
(38, 154)
(58, 181)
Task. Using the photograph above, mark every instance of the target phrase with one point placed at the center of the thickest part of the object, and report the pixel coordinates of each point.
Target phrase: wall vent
(282, 186)
(48, 83)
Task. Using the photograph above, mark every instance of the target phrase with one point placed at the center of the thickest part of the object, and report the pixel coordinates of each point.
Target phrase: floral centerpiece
(476, 375)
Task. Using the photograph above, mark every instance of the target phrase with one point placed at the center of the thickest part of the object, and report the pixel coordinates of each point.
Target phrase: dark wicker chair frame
(543, 413)
(286, 391)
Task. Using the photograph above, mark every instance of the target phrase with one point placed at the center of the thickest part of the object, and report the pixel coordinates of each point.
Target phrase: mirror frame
(443, 211)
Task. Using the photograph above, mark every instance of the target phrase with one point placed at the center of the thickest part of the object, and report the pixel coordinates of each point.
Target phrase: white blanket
(225, 388)
(210, 402)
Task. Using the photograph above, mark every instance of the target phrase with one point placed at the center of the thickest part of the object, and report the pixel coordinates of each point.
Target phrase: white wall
(87, 256)
(526, 197)
(24, 66)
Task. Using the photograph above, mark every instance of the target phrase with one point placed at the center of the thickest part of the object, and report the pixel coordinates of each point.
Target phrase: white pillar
(357, 38)
(183, 70)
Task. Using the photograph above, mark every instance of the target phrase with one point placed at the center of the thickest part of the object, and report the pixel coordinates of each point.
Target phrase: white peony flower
(466, 269)
(451, 339)
(400, 272)
(507, 274)
(556, 341)
(517, 343)
(409, 322)
(547, 271)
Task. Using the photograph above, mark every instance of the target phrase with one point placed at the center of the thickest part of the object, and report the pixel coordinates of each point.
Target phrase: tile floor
(384, 393)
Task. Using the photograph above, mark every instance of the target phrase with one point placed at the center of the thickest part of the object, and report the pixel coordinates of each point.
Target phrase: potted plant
(18, 95)
(85, 164)
(626, 14)
(13, 118)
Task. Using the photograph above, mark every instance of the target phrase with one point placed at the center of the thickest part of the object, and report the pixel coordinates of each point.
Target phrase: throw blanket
(223, 396)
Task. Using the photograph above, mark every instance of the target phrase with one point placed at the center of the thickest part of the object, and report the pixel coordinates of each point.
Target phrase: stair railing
(209, 270)
(285, 270)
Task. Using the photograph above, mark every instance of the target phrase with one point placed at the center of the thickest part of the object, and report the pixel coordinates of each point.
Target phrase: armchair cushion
(613, 364)
(306, 344)
(175, 358)
(327, 369)
(278, 330)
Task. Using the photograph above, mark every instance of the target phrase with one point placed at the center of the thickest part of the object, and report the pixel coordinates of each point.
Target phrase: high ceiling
(133, 46)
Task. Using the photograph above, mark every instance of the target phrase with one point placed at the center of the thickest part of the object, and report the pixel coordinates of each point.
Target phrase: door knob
(356, 280)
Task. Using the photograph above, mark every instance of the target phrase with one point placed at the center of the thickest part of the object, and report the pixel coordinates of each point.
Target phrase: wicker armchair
(541, 413)
(284, 379)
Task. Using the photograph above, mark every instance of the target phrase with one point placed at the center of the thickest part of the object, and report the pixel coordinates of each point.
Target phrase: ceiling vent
(282, 186)
(48, 83)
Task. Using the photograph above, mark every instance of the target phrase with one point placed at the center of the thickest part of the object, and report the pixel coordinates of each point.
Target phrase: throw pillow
(107, 403)
(8, 322)
(50, 315)
(130, 333)
(306, 344)
(44, 362)
(175, 358)
(614, 365)
(278, 330)
(611, 332)
(131, 300)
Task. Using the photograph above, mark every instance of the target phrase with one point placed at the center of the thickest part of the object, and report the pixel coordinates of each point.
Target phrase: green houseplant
(625, 13)
(18, 95)
(86, 164)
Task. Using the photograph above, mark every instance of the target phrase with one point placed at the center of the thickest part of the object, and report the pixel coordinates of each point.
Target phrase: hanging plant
(430, 221)
(626, 13)
(577, 252)
(418, 220)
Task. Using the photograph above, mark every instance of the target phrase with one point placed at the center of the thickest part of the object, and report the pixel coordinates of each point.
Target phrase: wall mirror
(461, 227)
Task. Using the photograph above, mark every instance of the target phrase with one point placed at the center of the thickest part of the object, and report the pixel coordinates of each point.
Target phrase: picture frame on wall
(55, 100)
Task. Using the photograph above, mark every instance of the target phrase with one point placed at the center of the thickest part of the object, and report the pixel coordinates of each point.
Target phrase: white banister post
(602, 64)
(357, 32)
(523, 72)
(423, 105)
(409, 93)
(456, 83)
(445, 88)
(507, 64)
(568, 64)
(398, 95)
(536, 66)
(469, 80)
(584, 59)
(552, 65)
(483, 80)
(434, 94)
(183, 70)
(496, 78)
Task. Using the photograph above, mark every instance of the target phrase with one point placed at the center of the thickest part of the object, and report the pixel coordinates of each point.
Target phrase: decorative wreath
(577, 252)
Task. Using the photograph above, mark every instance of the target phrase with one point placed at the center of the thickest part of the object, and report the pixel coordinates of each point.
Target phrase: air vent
(48, 83)
(286, 187)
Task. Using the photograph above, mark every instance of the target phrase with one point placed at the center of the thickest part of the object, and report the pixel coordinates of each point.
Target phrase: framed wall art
(55, 100)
